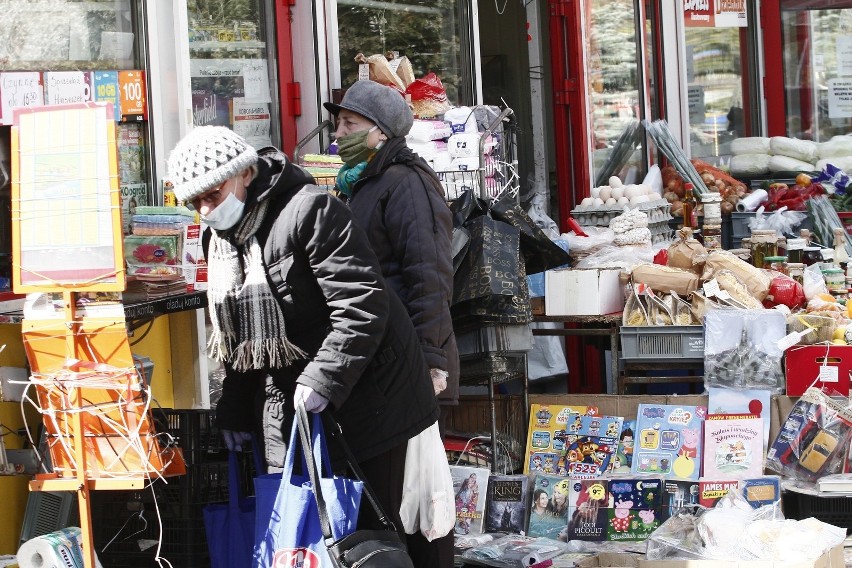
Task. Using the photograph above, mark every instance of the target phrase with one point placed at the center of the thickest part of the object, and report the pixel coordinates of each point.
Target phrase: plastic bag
(547, 357)
(813, 439)
(428, 96)
(741, 348)
(786, 291)
(654, 178)
(814, 283)
(635, 311)
(783, 222)
(428, 503)
(627, 257)
(540, 218)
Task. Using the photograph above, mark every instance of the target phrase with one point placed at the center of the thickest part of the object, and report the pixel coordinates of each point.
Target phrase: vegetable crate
(662, 343)
(835, 510)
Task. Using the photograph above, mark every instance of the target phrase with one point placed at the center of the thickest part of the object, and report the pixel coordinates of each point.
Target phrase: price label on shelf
(131, 90)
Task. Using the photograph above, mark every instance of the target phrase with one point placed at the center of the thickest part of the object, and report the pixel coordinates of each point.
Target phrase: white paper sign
(256, 81)
(252, 121)
(844, 56)
(19, 90)
(840, 98)
(828, 374)
(731, 14)
(695, 97)
(65, 87)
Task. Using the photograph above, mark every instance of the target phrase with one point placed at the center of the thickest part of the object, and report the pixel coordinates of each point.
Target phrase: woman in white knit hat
(300, 311)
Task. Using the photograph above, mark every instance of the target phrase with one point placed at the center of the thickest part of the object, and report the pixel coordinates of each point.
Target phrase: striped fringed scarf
(248, 326)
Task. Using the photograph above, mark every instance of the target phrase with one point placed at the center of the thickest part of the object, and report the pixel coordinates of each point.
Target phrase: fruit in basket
(840, 333)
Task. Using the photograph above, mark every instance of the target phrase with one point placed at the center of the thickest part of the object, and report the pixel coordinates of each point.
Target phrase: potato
(727, 207)
(708, 179)
(670, 196)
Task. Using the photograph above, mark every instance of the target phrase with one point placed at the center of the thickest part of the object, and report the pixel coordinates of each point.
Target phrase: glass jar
(712, 208)
(795, 248)
(827, 258)
(763, 243)
(777, 263)
(712, 235)
(811, 255)
(796, 271)
(835, 279)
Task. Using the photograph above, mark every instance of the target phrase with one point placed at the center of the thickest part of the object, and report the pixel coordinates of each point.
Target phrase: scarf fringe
(219, 345)
(257, 354)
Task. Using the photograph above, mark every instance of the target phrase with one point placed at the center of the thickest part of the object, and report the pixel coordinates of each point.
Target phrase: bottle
(169, 199)
(689, 205)
(841, 257)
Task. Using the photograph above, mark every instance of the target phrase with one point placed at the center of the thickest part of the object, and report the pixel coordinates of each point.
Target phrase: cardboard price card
(132, 98)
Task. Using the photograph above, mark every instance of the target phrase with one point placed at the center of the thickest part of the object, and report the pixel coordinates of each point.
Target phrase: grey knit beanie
(384, 105)
(205, 158)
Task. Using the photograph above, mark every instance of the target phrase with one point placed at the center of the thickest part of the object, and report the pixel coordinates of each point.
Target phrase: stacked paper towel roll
(60, 549)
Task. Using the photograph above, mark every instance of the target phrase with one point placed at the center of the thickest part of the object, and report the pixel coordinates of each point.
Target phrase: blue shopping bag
(230, 526)
(288, 531)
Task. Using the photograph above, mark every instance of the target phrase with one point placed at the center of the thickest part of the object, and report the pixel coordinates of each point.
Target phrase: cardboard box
(830, 366)
(610, 560)
(590, 292)
(831, 559)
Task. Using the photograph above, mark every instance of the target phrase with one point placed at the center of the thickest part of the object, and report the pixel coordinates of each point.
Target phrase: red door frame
(774, 90)
(288, 93)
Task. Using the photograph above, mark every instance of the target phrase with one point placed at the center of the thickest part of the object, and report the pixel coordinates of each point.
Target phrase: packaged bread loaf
(380, 70)
(666, 278)
(755, 280)
(686, 252)
(729, 282)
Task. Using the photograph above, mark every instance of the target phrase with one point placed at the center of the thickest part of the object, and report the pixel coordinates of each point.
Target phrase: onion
(671, 196)
(727, 207)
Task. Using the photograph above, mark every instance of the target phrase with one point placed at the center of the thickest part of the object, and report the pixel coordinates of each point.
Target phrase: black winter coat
(363, 353)
(400, 204)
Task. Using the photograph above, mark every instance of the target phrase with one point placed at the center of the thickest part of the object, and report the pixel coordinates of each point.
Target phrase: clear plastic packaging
(741, 348)
(515, 551)
(813, 439)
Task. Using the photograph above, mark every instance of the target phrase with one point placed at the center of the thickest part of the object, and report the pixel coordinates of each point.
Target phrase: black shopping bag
(490, 265)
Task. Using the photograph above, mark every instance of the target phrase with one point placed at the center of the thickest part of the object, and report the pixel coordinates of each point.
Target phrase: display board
(66, 216)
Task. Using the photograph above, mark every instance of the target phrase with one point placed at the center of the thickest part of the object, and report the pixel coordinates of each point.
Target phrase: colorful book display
(549, 507)
(636, 508)
(741, 401)
(677, 493)
(622, 462)
(469, 484)
(590, 446)
(506, 508)
(669, 440)
(549, 434)
(733, 446)
(589, 502)
(711, 490)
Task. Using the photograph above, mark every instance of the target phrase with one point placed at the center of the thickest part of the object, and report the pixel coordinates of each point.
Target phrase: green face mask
(353, 148)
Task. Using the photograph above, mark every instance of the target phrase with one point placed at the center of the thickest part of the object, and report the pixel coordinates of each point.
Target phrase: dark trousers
(385, 475)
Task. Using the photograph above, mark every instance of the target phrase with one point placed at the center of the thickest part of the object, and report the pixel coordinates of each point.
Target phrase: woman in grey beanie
(397, 198)
(300, 311)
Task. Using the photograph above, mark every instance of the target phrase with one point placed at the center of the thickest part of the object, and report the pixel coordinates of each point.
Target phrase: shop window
(720, 78)
(230, 61)
(433, 34)
(70, 52)
(615, 89)
(817, 59)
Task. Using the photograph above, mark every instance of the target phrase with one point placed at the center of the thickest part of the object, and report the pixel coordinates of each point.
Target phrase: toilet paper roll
(60, 549)
(752, 201)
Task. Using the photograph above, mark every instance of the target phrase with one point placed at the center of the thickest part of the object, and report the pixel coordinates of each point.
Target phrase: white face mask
(227, 214)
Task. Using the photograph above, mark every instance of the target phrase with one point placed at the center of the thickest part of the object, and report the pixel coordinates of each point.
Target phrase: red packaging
(662, 257)
(784, 290)
(822, 366)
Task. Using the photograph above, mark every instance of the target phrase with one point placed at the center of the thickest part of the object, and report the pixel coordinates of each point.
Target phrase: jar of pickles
(795, 249)
(763, 243)
(776, 263)
(796, 271)
(811, 255)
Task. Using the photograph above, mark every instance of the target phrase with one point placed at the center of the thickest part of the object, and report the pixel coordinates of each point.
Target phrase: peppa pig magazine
(636, 508)
(668, 440)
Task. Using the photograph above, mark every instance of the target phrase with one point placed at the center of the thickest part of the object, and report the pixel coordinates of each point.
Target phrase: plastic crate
(193, 431)
(836, 511)
(662, 343)
(740, 226)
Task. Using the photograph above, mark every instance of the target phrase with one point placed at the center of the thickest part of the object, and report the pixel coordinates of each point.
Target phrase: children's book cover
(595, 439)
(635, 512)
(711, 490)
(549, 435)
(549, 507)
(468, 484)
(763, 490)
(741, 401)
(733, 446)
(669, 440)
(506, 506)
(622, 461)
(677, 493)
(588, 503)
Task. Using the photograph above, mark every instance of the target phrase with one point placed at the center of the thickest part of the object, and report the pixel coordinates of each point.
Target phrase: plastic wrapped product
(462, 120)
(750, 145)
(844, 163)
(748, 165)
(788, 164)
(803, 150)
(837, 147)
(428, 130)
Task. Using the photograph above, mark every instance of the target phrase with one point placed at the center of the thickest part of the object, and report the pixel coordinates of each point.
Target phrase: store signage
(252, 121)
(105, 88)
(715, 13)
(19, 90)
(840, 98)
(132, 98)
(256, 81)
(66, 87)
(844, 56)
(695, 97)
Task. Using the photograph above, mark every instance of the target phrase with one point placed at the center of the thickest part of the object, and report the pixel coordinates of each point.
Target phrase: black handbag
(384, 548)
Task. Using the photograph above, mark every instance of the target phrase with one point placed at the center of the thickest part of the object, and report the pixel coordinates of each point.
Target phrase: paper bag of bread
(666, 278)
(380, 70)
(757, 281)
(730, 283)
(686, 252)
(404, 70)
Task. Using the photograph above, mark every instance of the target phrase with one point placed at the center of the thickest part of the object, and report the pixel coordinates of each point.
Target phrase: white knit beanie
(205, 158)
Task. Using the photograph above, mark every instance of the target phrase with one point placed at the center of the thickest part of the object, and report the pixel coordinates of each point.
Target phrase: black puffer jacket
(364, 355)
(400, 204)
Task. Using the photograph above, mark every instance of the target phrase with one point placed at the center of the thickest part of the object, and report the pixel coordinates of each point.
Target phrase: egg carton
(657, 211)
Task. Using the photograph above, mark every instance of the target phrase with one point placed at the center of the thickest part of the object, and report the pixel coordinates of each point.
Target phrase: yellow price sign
(597, 492)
